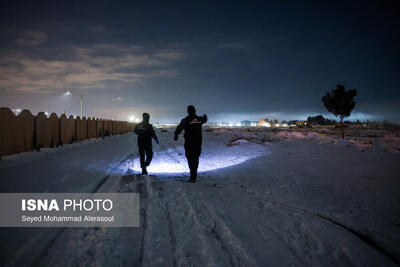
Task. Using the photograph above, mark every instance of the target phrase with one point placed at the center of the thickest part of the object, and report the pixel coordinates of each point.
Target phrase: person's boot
(144, 171)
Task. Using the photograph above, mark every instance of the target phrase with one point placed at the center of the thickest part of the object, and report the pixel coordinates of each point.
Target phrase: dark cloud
(232, 60)
(31, 38)
(90, 67)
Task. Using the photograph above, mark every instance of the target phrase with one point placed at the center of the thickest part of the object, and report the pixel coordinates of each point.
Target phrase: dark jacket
(192, 126)
(145, 132)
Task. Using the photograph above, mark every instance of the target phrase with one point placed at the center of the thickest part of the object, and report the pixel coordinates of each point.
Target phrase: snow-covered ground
(264, 198)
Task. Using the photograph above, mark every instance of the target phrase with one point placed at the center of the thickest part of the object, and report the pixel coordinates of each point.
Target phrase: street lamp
(81, 96)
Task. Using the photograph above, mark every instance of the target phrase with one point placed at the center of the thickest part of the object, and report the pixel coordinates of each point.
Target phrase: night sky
(233, 61)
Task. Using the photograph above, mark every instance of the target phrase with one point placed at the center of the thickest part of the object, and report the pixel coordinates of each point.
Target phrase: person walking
(145, 133)
(192, 124)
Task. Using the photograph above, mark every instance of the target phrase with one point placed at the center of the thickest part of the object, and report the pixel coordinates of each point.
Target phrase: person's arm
(153, 134)
(136, 130)
(204, 119)
(180, 128)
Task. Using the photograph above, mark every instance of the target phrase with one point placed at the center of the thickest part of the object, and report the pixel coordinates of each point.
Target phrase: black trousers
(192, 153)
(146, 155)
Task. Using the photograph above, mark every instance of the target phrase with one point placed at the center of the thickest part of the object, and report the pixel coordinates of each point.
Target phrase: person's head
(146, 117)
(191, 110)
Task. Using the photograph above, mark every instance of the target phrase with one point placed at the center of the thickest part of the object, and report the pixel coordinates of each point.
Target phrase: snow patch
(391, 142)
(343, 142)
(237, 142)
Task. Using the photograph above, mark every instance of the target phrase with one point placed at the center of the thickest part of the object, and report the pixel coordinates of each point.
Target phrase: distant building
(264, 123)
(245, 123)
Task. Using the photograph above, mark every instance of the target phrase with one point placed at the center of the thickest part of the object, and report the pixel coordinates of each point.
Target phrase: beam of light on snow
(173, 160)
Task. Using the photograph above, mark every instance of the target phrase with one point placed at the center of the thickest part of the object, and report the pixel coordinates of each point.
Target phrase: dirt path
(212, 224)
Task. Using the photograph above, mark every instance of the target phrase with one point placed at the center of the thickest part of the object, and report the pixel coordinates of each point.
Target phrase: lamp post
(81, 96)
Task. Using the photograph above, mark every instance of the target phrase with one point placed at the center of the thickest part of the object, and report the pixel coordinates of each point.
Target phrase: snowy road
(285, 203)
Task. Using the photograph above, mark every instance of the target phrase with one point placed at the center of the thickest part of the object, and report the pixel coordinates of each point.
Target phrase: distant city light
(16, 111)
(133, 119)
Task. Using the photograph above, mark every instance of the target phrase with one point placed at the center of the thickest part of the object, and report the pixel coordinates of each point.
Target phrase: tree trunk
(341, 126)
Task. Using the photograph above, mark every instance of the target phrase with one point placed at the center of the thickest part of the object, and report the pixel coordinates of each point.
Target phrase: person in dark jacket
(145, 132)
(191, 124)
